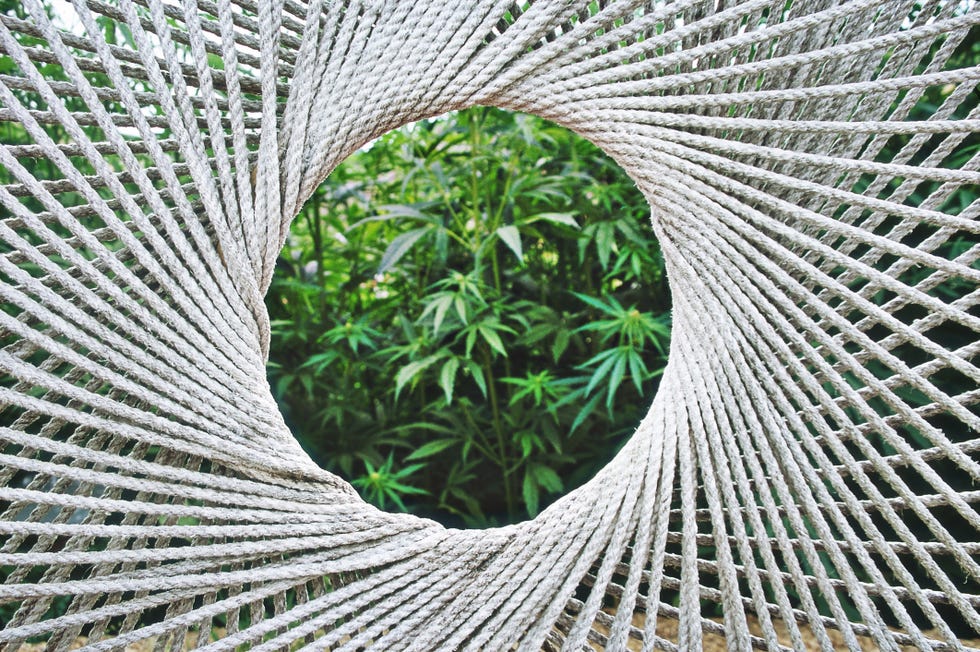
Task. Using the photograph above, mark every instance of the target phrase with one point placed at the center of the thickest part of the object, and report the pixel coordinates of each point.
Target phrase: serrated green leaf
(431, 448)
(527, 445)
(557, 218)
(447, 378)
(320, 361)
(406, 489)
(600, 305)
(408, 470)
(602, 370)
(411, 370)
(584, 413)
(524, 391)
(399, 247)
(404, 375)
(628, 230)
(597, 358)
(560, 344)
(536, 333)
(512, 238)
(604, 242)
(393, 212)
(493, 339)
(638, 370)
(460, 305)
(307, 383)
(440, 313)
(616, 377)
(547, 478)
(477, 372)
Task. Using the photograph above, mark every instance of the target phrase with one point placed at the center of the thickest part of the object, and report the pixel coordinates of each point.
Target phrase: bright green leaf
(413, 369)
(493, 339)
(604, 242)
(557, 218)
(440, 313)
(399, 247)
(527, 444)
(512, 238)
(460, 305)
(447, 377)
(477, 372)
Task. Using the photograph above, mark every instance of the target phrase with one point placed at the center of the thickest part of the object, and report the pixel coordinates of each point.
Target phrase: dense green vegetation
(469, 317)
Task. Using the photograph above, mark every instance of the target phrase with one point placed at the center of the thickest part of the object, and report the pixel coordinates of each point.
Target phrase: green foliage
(476, 301)
(383, 484)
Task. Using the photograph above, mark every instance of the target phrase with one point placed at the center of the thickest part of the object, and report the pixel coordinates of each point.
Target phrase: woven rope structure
(805, 475)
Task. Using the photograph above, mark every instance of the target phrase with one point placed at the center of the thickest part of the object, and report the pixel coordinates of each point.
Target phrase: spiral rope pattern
(805, 476)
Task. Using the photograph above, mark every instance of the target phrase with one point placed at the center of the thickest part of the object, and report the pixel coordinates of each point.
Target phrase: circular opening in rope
(470, 317)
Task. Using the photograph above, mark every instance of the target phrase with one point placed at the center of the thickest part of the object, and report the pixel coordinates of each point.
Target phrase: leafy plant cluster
(469, 317)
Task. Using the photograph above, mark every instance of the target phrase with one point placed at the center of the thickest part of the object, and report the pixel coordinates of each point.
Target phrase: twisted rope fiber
(803, 477)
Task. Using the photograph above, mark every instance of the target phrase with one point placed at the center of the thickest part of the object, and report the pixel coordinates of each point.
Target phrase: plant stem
(499, 430)
(479, 440)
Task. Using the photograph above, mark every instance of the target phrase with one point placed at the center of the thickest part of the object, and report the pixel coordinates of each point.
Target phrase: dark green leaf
(530, 492)
(547, 478)
(560, 344)
(584, 413)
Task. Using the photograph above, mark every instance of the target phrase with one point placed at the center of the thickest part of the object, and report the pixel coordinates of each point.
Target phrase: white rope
(772, 497)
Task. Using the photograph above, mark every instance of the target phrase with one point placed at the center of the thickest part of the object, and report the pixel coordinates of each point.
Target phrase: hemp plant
(471, 316)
